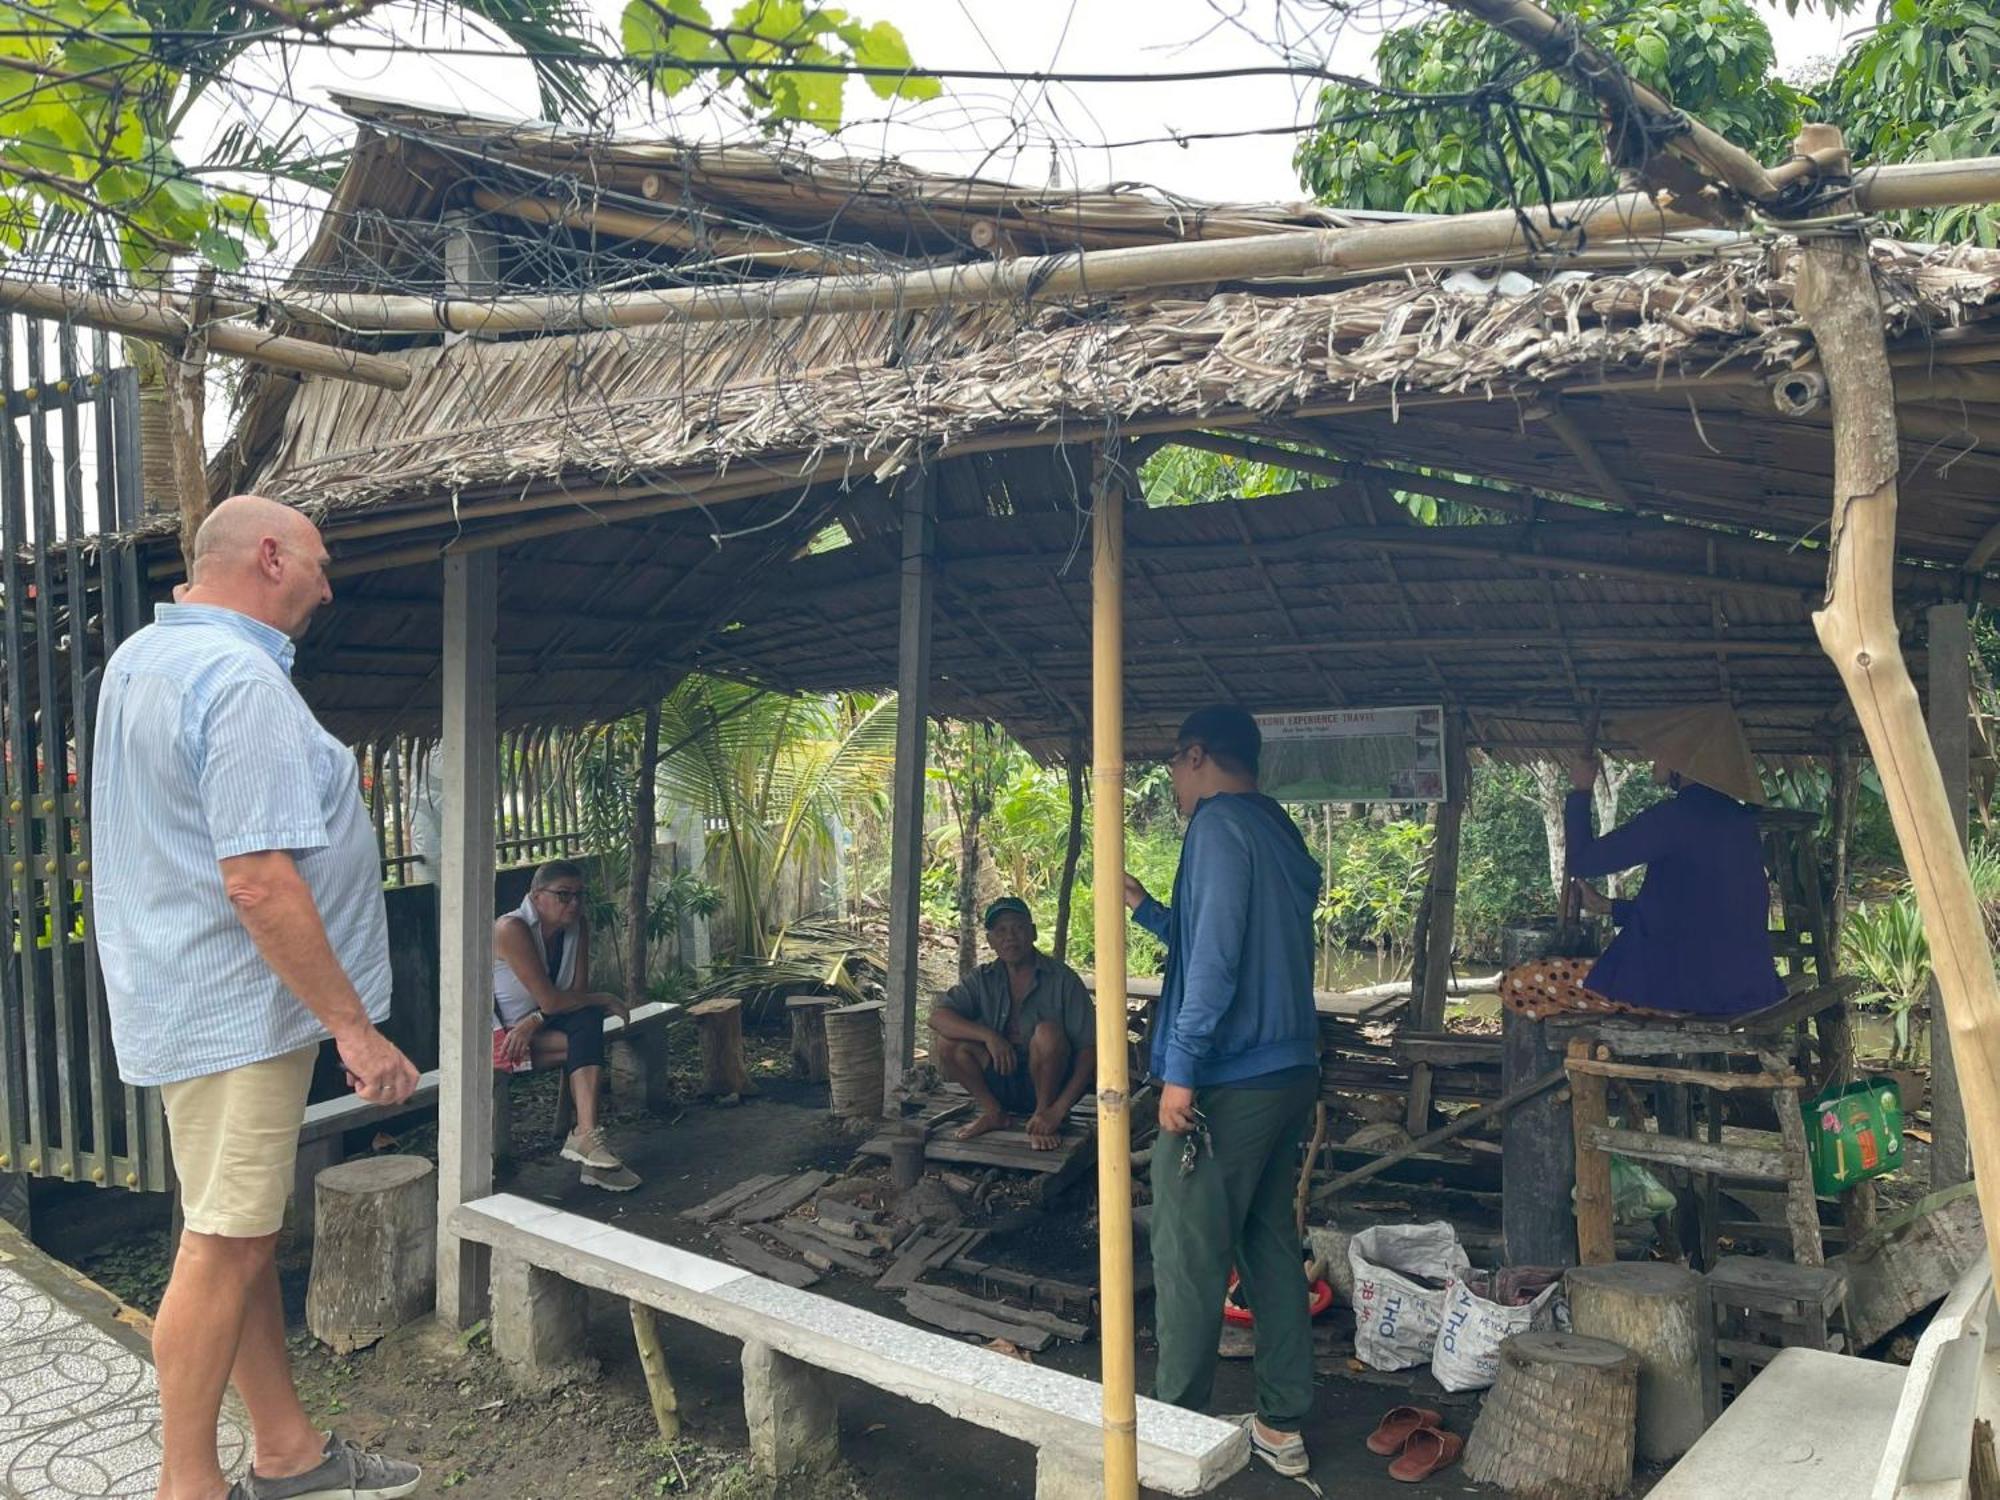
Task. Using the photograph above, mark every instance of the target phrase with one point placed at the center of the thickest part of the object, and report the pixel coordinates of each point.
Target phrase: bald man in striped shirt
(240, 923)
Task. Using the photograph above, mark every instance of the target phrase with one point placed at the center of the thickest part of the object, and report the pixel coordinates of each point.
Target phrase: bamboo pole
(1114, 1125)
(169, 323)
(1837, 297)
(656, 229)
(1329, 252)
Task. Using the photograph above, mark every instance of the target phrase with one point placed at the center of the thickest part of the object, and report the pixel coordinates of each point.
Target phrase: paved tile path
(79, 1411)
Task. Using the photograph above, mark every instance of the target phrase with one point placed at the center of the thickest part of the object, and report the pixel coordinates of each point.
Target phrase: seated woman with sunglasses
(546, 1015)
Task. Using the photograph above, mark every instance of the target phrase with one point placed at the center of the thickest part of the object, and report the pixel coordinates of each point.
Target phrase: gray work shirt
(986, 996)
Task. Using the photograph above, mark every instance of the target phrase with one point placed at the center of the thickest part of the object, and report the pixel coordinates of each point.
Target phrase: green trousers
(1234, 1208)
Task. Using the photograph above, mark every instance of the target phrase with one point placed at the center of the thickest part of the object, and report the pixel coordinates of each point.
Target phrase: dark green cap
(1005, 905)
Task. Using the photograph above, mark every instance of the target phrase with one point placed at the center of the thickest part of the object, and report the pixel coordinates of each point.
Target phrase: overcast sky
(1073, 133)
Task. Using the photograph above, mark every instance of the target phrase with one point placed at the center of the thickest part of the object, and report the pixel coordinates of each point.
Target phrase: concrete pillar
(1064, 1475)
(638, 1068)
(539, 1324)
(793, 1416)
(469, 753)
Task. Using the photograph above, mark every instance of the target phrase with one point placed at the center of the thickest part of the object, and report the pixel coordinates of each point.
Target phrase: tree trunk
(1558, 1424)
(374, 1265)
(638, 899)
(723, 1070)
(1072, 852)
(1551, 788)
(1837, 297)
(1656, 1311)
(968, 885)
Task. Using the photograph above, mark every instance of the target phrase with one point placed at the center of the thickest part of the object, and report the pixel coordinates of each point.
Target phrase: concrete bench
(1840, 1428)
(543, 1258)
(641, 1063)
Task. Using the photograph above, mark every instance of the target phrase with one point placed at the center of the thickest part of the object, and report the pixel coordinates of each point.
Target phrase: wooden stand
(374, 1262)
(854, 1061)
(1657, 1311)
(659, 1382)
(808, 1013)
(1558, 1424)
(724, 1073)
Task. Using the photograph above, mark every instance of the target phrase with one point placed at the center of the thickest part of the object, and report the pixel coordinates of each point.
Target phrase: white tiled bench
(544, 1257)
(1835, 1427)
(323, 1133)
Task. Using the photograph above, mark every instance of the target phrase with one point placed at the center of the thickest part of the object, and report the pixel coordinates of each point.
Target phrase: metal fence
(69, 467)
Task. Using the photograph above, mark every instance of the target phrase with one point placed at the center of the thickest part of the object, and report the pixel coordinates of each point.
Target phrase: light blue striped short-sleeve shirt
(203, 750)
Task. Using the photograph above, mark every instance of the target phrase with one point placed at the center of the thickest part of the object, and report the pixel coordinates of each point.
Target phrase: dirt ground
(446, 1402)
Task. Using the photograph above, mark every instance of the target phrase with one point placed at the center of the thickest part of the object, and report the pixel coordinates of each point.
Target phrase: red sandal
(1427, 1450)
(1397, 1425)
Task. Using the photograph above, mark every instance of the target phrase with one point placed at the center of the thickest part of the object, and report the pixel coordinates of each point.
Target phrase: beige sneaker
(587, 1147)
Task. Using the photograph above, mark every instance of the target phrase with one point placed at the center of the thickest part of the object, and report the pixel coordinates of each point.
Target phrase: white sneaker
(587, 1147)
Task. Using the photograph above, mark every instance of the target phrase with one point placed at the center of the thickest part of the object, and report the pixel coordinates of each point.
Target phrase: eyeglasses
(566, 897)
(1178, 756)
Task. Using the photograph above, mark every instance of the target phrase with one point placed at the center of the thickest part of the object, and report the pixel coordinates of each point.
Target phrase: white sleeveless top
(511, 1000)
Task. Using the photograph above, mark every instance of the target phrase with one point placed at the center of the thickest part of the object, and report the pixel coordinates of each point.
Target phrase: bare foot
(992, 1120)
(1044, 1132)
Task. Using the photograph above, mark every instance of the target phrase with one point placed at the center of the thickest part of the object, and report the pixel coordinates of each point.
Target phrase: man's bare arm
(276, 908)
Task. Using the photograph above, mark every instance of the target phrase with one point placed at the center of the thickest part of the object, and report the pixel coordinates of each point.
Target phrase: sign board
(1354, 755)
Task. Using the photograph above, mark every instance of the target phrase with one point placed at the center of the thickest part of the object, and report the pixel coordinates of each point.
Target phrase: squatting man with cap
(1018, 1033)
(240, 924)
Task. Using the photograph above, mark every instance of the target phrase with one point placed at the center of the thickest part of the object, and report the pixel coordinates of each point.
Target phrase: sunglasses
(566, 897)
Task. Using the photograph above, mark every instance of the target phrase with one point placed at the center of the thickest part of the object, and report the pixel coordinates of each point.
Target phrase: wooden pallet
(1008, 1149)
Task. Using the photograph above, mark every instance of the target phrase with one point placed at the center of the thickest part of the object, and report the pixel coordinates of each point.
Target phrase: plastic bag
(1474, 1324)
(1636, 1194)
(1400, 1275)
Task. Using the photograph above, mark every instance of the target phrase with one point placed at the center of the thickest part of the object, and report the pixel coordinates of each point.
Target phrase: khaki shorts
(235, 1138)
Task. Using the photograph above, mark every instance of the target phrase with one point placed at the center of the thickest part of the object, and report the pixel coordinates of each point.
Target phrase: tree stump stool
(1658, 1312)
(808, 1013)
(854, 1062)
(1757, 1307)
(1558, 1423)
(374, 1265)
(719, 1023)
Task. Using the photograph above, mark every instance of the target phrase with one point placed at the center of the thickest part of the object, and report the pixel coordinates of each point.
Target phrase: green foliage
(1713, 57)
(1373, 885)
(1884, 942)
(777, 774)
(1924, 85)
(1194, 476)
(757, 46)
(1503, 859)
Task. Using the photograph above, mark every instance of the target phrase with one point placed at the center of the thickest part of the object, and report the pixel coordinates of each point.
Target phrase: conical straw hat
(1704, 742)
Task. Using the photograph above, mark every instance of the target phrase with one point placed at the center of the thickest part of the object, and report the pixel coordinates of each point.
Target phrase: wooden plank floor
(998, 1148)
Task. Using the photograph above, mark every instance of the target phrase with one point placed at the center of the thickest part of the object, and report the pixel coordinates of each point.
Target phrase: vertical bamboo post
(1107, 850)
(1836, 295)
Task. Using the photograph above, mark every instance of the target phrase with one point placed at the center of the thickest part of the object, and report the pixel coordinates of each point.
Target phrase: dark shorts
(1016, 1090)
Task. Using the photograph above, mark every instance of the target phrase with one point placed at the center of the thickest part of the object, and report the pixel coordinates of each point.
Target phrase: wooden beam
(1074, 766)
(170, 325)
(465, 928)
(1440, 916)
(1608, 485)
(906, 828)
(1950, 670)
(1837, 296)
(657, 229)
(645, 835)
(1327, 252)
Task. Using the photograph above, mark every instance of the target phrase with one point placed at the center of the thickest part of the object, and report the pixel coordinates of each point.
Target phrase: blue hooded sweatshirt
(1237, 999)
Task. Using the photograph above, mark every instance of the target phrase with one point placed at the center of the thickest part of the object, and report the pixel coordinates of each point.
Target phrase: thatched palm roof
(605, 462)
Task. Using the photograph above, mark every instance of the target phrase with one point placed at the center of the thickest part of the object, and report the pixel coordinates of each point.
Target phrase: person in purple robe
(1695, 940)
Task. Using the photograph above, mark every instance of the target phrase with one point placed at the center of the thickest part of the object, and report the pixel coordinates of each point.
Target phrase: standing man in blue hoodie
(1235, 1051)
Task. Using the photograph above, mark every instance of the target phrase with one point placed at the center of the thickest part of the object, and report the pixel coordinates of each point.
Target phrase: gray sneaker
(348, 1474)
(588, 1147)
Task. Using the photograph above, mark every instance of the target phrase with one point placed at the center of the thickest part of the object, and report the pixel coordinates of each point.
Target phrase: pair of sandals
(1417, 1440)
